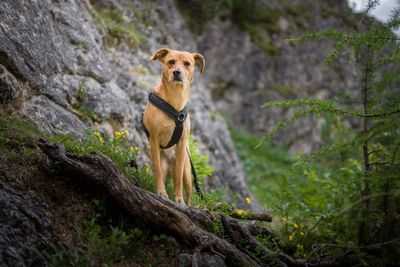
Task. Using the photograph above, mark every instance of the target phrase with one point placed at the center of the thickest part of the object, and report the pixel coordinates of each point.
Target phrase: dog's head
(178, 66)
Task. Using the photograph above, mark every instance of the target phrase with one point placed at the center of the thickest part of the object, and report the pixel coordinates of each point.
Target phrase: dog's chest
(165, 127)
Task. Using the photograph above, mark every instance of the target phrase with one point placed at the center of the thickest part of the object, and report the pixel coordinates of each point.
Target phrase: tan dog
(177, 74)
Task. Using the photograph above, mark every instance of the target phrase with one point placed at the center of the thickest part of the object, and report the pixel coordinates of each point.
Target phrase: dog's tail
(195, 179)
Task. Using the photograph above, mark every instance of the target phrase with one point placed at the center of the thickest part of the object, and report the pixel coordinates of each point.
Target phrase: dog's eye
(187, 63)
(171, 62)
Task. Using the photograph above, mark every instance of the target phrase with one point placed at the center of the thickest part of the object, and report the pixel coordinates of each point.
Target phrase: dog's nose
(177, 72)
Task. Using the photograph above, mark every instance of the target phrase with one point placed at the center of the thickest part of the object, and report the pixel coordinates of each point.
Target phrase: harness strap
(179, 118)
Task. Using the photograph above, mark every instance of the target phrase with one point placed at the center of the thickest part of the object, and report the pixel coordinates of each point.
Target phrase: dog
(174, 88)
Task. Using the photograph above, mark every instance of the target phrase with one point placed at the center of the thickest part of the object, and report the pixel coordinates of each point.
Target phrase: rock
(52, 118)
(24, 228)
(9, 86)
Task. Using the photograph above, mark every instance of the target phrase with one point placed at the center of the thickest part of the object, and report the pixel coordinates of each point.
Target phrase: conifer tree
(374, 48)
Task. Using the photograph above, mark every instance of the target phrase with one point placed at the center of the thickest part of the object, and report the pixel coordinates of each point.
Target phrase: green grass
(264, 166)
(17, 138)
(18, 148)
(114, 26)
(117, 148)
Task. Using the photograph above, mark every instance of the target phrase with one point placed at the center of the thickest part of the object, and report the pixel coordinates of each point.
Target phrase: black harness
(179, 118)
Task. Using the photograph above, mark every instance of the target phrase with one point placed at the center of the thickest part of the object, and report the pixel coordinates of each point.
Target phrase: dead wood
(252, 215)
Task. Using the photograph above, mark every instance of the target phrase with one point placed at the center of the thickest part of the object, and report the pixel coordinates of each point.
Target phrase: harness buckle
(181, 117)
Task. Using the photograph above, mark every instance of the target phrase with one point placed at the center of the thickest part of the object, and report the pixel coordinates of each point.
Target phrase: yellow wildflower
(136, 148)
(248, 200)
(101, 140)
(295, 225)
(300, 247)
(126, 132)
(146, 169)
(290, 237)
(96, 133)
(284, 219)
(239, 212)
(118, 134)
(301, 233)
(131, 148)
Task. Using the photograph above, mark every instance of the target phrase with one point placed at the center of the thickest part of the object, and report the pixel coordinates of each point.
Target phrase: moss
(85, 45)
(82, 110)
(248, 11)
(18, 147)
(299, 13)
(198, 12)
(346, 17)
(259, 21)
(140, 69)
(113, 25)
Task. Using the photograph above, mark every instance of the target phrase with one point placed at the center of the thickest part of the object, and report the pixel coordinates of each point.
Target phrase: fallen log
(251, 215)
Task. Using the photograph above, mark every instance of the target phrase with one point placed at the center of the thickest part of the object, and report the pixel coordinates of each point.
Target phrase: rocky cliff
(253, 62)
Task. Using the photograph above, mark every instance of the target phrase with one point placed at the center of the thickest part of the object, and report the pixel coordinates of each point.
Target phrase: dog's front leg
(158, 170)
(179, 167)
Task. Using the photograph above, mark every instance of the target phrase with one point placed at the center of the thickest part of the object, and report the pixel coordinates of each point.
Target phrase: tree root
(195, 227)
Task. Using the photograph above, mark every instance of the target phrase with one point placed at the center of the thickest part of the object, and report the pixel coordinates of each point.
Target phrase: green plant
(18, 148)
(97, 246)
(260, 21)
(347, 18)
(117, 148)
(112, 24)
(197, 13)
(264, 166)
(17, 138)
(200, 162)
(83, 110)
(352, 200)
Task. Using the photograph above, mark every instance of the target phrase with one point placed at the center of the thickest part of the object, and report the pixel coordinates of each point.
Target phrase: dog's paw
(179, 201)
(163, 194)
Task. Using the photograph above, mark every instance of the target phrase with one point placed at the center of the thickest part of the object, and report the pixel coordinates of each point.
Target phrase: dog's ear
(199, 59)
(159, 54)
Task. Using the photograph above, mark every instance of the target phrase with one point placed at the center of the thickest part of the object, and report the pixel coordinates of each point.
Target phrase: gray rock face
(24, 228)
(57, 71)
(242, 76)
(9, 86)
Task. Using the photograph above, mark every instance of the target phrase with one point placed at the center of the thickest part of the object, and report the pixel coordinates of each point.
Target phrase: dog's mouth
(177, 79)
